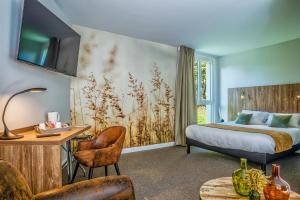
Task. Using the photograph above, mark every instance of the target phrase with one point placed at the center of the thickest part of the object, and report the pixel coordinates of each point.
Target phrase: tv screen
(46, 41)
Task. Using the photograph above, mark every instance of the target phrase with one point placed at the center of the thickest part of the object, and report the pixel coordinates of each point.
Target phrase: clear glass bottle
(277, 188)
(239, 179)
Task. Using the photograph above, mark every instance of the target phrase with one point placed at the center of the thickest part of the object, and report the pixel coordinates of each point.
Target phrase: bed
(257, 148)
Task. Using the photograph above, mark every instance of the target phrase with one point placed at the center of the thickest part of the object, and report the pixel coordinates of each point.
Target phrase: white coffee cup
(53, 117)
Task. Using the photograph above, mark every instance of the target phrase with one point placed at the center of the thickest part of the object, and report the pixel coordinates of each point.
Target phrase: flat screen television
(46, 41)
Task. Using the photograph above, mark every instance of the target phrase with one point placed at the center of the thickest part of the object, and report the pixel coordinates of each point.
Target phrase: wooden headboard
(273, 98)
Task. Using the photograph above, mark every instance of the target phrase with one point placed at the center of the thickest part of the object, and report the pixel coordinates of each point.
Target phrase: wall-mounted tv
(46, 41)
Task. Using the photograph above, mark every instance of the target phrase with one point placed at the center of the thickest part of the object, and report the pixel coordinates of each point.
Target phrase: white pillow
(294, 121)
(258, 117)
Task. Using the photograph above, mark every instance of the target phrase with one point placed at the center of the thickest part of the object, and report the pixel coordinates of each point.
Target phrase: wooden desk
(222, 188)
(39, 159)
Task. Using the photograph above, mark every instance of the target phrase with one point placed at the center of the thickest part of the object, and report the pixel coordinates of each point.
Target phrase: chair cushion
(12, 183)
(86, 157)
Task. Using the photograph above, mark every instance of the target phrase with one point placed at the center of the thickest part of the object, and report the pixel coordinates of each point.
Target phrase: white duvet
(252, 142)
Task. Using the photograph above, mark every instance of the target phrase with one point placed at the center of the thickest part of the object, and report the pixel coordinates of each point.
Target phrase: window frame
(211, 99)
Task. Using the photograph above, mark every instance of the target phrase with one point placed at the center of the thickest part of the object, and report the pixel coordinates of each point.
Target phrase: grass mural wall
(125, 81)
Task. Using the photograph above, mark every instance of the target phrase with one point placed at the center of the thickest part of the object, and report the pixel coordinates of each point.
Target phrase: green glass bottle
(239, 179)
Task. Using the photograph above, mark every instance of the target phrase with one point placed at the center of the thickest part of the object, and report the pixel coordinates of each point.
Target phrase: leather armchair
(103, 150)
(13, 186)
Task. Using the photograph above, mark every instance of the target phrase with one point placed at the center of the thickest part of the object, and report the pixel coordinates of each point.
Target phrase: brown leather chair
(103, 150)
(13, 186)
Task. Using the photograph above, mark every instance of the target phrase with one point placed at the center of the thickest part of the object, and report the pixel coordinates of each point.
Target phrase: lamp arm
(5, 107)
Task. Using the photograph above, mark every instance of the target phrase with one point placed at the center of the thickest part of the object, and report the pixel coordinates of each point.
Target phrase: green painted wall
(276, 64)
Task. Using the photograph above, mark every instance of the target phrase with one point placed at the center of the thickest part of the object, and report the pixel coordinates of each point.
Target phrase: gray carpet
(171, 174)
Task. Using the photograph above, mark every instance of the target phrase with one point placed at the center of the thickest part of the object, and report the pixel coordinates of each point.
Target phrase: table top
(222, 188)
(31, 139)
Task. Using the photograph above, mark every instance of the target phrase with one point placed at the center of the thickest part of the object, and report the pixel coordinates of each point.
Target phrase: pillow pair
(252, 117)
(278, 120)
(258, 117)
(284, 120)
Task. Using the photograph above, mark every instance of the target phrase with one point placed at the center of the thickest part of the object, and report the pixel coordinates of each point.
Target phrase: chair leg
(83, 170)
(75, 172)
(117, 169)
(106, 173)
(91, 171)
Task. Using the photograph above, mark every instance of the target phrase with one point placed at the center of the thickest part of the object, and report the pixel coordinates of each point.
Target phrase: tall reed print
(118, 85)
(150, 119)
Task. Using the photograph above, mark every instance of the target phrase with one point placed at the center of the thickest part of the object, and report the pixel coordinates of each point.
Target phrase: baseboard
(137, 149)
(148, 147)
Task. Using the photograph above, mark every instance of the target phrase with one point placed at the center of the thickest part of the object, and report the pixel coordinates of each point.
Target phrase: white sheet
(252, 142)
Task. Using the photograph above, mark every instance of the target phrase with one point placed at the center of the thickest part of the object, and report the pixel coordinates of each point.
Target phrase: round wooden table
(222, 188)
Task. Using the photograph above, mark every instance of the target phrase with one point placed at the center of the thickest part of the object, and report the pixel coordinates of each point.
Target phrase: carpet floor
(171, 174)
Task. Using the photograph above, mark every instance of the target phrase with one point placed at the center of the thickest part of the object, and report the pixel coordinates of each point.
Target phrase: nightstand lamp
(7, 135)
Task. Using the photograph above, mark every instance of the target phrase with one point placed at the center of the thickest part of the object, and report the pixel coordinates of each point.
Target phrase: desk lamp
(7, 135)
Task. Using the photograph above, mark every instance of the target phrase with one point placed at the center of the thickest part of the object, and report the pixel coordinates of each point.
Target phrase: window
(203, 82)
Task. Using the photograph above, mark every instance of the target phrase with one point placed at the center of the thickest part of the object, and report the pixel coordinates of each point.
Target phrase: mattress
(252, 142)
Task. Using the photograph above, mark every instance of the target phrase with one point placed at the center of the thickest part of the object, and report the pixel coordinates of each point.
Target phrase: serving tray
(52, 130)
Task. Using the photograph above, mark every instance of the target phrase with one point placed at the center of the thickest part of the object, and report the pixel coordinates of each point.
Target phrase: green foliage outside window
(201, 109)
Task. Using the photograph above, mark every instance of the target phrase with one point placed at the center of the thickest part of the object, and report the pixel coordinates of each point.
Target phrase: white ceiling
(217, 27)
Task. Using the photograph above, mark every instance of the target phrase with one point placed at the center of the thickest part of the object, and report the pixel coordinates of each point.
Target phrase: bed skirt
(259, 158)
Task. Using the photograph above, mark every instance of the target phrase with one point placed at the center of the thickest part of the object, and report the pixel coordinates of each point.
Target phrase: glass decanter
(277, 188)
